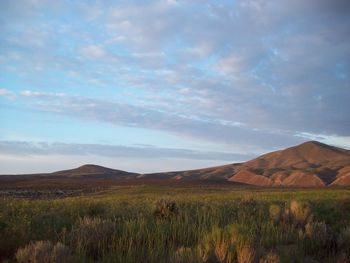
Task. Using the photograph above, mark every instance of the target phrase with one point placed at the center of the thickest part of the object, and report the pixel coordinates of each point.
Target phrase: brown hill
(303, 179)
(94, 171)
(278, 177)
(220, 173)
(304, 156)
(248, 177)
(342, 181)
(343, 177)
(311, 164)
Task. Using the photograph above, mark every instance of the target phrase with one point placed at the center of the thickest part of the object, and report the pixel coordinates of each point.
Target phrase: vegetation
(164, 224)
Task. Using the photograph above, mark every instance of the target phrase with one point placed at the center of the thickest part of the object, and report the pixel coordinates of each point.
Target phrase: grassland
(178, 224)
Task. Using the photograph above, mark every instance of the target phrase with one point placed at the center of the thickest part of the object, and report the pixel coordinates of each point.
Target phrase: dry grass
(43, 252)
(213, 226)
(316, 231)
(246, 254)
(301, 212)
(92, 235)
(186, 255)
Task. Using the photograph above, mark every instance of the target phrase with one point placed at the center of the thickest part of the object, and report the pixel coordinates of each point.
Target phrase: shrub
(165, 208)
(275, 213)
(316, 231)
(43, 252)
(318, 239)
(301, 213)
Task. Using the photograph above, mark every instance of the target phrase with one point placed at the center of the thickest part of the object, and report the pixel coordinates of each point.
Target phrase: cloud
(36, 94)
(24, 148)
(8, 94)
(279, 68)
(123, 114)
(93, 52)
(234, 64)
(5, 92)
(339, 141)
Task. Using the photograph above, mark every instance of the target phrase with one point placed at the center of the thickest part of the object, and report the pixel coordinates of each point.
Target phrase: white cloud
(202, 50)
(5, 92)
(340, 141)
(205, 128)
(93, 51)
(233, 64)
(29, 93)
(261, 63)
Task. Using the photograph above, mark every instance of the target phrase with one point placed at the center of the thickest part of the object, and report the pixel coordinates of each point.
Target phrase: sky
(148, 86)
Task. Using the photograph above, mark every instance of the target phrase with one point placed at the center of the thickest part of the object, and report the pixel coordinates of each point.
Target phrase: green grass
(211, 225)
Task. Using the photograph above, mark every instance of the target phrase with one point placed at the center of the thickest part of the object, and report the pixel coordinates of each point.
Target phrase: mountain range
(311, 164)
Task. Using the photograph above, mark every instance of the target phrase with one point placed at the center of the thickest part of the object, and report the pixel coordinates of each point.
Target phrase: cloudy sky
(150, 86)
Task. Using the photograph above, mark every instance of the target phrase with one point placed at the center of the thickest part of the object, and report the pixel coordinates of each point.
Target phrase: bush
(43, 252)
(165, 208)
(319, 239)
(301, 213)
(275, 213)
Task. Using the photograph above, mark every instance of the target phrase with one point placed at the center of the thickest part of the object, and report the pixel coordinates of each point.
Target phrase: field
(162, 223)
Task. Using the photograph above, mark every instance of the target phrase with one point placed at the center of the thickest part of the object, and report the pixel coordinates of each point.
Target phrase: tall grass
(186, 225)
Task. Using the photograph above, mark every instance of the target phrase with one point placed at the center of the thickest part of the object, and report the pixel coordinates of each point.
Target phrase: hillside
(95, 171)
(311, 164)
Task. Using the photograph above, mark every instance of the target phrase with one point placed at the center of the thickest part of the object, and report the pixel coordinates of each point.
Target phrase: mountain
(311, 164)
(308, 164)
(94, 171)
(304, 156)
(221, 173)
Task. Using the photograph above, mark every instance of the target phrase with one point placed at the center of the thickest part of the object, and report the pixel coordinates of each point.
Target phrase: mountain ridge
(96, 171)
(310, 164)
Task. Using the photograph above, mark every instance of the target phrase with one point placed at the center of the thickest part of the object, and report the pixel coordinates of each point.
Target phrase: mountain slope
(307, 155)
(221, 173)
(311, 164)
(308, 164)
(94, 171)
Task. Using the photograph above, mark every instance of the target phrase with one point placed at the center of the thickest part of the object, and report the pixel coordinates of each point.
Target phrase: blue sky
(152, 86)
